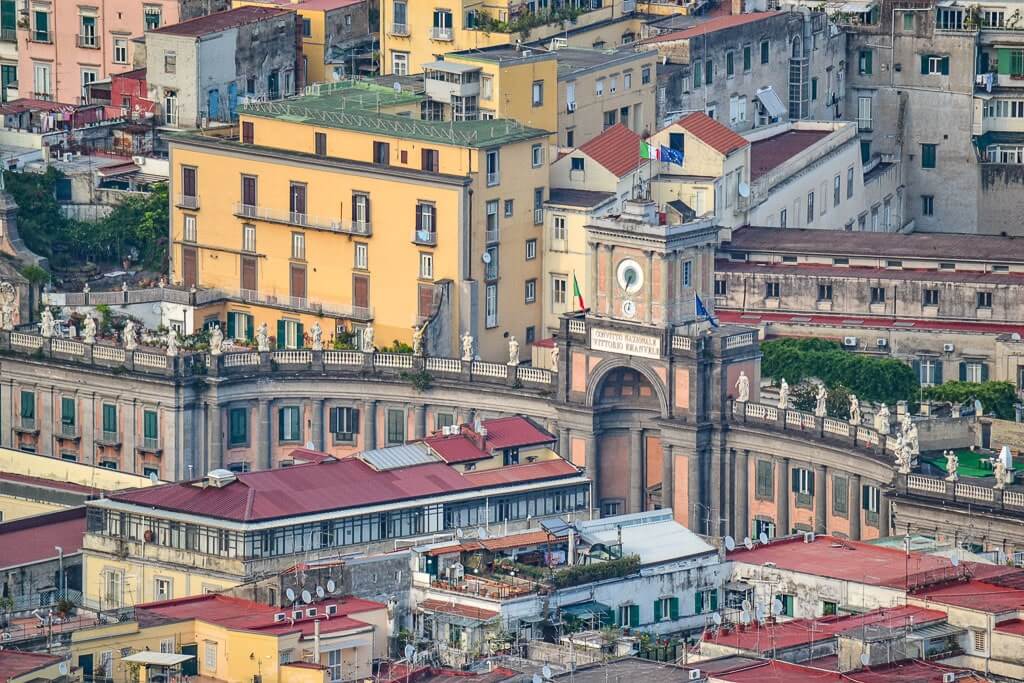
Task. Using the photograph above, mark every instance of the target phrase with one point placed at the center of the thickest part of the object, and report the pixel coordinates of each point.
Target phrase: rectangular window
(645, 75)
(721, 288)
(67, 412)
(395, 426)
(189, 232)
(510, 206)
(362, 256)
(849, 182)
(150, 425)
(599, 87)
(559, 292)
(908, 21)
(869, 499)
(837, 185)
(686, 278)
(429, 159)
(109, 421)
(810, 208)
(787, 604)
(538, 93)
(864, 114)
(320, 143)
(730, 66)
(531, 249)
(803, 481)
(783, 216)
(530, 295)
(28, 408)
(170, 62)
(824, 292)
(764, 51)
(381, 153)
(698, 73)
(210, 656)
(307, 27)
(120, 50)
(537, 156)
(41, 26)
(771, 290)
(298, 246)
(249, 238)
(746, 58)
(705, 601)
(840, 495)
(400, 63)
(814, 89)
(765, 487)
(493, 167)
(289, 424)
(344, 423)
(629, 615)
(152, 17)
(709, 72)
(864, 66)
(240, 326)
(928, 155)
(238, 427)
(426, 266)
(248, 132)
(878, 295)
(931, 297)
(162, 589)
(491, 306)
(984, 299)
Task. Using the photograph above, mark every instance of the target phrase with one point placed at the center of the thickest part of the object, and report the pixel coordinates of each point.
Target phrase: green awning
(587, 610)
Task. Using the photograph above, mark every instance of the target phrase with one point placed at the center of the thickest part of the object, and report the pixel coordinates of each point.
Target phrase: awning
(738, 586)
(942, 630)
(587, 610)
(150, 658)
(771, 101)
(857, 7)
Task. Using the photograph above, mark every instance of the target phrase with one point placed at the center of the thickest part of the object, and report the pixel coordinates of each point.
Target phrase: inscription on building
(629, 343)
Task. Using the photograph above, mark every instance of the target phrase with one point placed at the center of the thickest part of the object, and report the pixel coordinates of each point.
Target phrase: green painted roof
(355, 105)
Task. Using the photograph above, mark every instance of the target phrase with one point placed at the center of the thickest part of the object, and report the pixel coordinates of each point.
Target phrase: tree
(996, 398)
(837, 404)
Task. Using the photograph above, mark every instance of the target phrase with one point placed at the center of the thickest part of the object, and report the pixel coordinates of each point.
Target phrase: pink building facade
(63, 46)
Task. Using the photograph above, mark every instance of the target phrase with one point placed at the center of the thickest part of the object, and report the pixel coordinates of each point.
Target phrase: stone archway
(616, 369)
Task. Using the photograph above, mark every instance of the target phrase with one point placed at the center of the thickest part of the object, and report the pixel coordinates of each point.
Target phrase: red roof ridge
(616, 148)
(712, 133)
(710, 26)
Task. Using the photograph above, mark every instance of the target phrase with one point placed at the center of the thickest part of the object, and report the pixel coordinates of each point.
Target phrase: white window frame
(399, 63)
(249, 239)
(559, 292)
(120, 50)
(491, 305)
(298, 246)
(537, 155)
(362, 256)
(210, 655)
(426, 266)
(189, 230)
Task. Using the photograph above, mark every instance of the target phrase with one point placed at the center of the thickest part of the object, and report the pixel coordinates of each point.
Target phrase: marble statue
(263, 338)
(417, 339)
(784, 395)
(216, 341)
(89, 330)
(743, 388)
(820, 398)
(882, 420)
(85, 288)
(316, 335)
(555, 353)
(854, 410)
(952, 464)
(172, 342)
(128, 336)
(467, 347)
(999, 471)
(368, 339)
(513, 350)
(903, 456)
(7, 317)
(911, 438)
(47, 323)
(906, 422)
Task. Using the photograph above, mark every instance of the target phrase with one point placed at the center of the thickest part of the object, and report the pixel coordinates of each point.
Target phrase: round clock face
(630, 276)
(628, 308)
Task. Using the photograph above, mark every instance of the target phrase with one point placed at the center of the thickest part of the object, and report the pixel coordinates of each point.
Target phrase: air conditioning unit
(948, 348)
(949, 677)
(138, 160)
(881, 342)
(571, 106)
(849, 341)
(279, 617)
(693, 675)
(68, 156)
(809, 537)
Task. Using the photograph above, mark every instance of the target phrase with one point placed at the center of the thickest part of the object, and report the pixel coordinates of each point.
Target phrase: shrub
(996, 398)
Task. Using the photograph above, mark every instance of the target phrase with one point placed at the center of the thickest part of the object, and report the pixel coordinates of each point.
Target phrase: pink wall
(121, 19)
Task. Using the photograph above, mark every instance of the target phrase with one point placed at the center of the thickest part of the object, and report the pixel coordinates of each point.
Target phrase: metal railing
(28, 423)
(151, 443)
(187, 201)
(399, 29)
(87, 41)
(68, 429)
(493, 178)
(109, 436)
(303, 220)
(440, 33)
(8, 35)
(427, 237)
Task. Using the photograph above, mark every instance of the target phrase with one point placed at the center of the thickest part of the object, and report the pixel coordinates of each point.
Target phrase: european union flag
(672, 156)
(702, 311)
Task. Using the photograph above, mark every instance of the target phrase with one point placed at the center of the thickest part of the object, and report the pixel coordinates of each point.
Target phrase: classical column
(728, 488)
(884, 510)
(215, 435)
(262, 436)
(45, 441)
(609, 287)
(126, 410)
(419, 421)
(741, 523)
(664, 297)
(713, 493)
(853, 503)
(7, 419)
(564, 445)
(667, 477)
(820, 500)
(590, 456)
(636, 470)
(782, 504)
(369, 425)
(695, 493)
(650, 286)
(87, 454)
(317, 423)
(594, 251)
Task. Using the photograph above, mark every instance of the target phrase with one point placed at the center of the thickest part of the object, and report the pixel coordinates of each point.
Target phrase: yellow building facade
(344, 208)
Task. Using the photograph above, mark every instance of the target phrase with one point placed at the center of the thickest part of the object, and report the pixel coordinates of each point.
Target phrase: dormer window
(510, 456)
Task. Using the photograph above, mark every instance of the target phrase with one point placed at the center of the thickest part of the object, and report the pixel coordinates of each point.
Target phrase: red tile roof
(307, 455)
(241, 614)
(1011, 626)
(522, 540)
(768, 153)
(48, 483)
(14, 664)
(867, 322)
(517, 474)
(221, 21)
(32, 539)
(782, 636)
(617, 149)
(710, 26)
(712, 133)
(776, 671)
(975, 595)
(505, 432)
(314, 4)
(458, 448)
(458, 610)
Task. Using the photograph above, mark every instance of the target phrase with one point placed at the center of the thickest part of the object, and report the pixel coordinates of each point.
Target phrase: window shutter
(353, 208)
(296, 424)
(867, 61)
(634, 615)
(334, 420)
(280, 334)
(657, 610)
(280, 424)
(714, 599)
(795, 476)
(231, 325)
(916, 364)
(937, 373)
(300, 337)
(963, 371)
(419, 217)
(1004, 61)
(924, 64)
(865, 497)
(810, 482)
(984, 372)
(698, 603)
(354, 412)
(250, 329)
(673, 608)
(944, 66)
(368, 219)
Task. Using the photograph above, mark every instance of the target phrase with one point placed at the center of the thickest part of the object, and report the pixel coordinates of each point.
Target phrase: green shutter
(673, 608)
(280, 424)
(231, 325)
(149, 424)
(963, 371)
(865, 497)
(355, 420)
(984, 372)
(657, 611)
(698, 603)
(916, 364)
(714, 600)
(67, 411)
(944, 66)
(280, 334)
(28, 404)
(250, 327)
(296, 418)
(937, 372)
(764, 52)
(810, 482)
(634, 615)
(1004, 61)
(746, 58)
(334, 420)
(300, 338)
(709, 72)
(868, 56)
(109, 418)
(697, 73)
(924, 65)
(795, 480)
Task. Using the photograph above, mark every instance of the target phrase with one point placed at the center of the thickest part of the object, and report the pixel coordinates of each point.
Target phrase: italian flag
(649, 152)
(577, 294)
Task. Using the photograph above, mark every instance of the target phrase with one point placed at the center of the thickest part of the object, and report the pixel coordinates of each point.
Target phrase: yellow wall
(513, 89)
(16, 508)
(140, 575)
(32, 465)
(48, 673)
(563, 258)
(587, 121)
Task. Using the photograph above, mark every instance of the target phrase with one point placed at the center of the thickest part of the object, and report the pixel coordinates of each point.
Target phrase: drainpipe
(316, 641)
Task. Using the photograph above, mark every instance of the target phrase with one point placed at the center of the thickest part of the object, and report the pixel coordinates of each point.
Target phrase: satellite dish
(777, 607)
(63, 668)
(546, 671)
(290, 594)
(320, 592)
(748, 543)
(459, 533)
(537, 679)
(486, 257)
(307, 597)
(397, 86)
(865, 659)
(730, 543)
(763, 538)
(409, 651)
(955, 560)
(310, 446)
(153, 478)
(744, 190)
(330, 585)
(717, 618)
(481, 532)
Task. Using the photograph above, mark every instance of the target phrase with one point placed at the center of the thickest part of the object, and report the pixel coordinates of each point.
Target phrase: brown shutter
(298, 281)
(247, 132)
(360, 291)
(189, 266)
(249, 190)
(249, 273)
(298, 198)
(419, 217)
(426, 300)
(188, 182)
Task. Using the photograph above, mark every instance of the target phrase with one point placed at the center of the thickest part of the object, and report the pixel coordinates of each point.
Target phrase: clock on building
(628, 308)
(630, 276)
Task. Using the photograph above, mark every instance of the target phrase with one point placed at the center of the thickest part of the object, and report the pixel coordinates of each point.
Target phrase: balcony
(303, 220)
(27, 425)
(38, 36)
(8, 35)
(425, 237)
(187, 201)
(68, 430)
(493, 179)
(150, 444)
(297, 303)
(441, 33)
(491, 236)
(109, 438)
(87, 41)
(399, 29)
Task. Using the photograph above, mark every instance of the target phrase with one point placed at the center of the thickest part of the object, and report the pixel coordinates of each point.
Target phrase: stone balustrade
(973, 492)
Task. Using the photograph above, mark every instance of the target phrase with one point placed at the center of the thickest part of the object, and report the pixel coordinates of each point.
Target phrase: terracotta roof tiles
(712, 133)
(617, 149)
